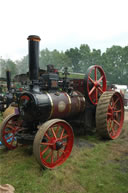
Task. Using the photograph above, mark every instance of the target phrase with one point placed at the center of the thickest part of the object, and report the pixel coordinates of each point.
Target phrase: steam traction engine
(9, 97)
(52, 104)
(6, 98)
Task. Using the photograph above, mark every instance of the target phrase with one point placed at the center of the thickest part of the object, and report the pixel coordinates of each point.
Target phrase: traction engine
(9, 98)
(52, 105)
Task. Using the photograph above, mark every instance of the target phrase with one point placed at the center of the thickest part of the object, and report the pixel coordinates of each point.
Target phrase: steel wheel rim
(9, 130)
(115, 116)
(98, 85)
(49, 155)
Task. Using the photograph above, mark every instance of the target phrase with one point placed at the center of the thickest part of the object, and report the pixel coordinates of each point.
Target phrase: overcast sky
(62, 24)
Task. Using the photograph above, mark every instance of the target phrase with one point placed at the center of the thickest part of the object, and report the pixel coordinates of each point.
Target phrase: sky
(62, 24)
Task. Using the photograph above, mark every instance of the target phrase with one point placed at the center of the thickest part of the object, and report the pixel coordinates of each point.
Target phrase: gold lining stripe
(70, 102)
(51, 101)
(79, 101)
(84, 102)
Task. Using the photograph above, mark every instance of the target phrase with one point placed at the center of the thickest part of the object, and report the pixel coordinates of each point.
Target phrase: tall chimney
(33, 42)
(8, 76)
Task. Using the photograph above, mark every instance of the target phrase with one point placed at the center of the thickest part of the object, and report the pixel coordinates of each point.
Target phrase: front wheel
(53, 143)
(8, 130)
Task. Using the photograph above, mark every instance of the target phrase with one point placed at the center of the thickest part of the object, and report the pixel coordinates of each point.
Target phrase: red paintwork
(115, 116)
(58, 132)
(11, 126)
(98, 85)
(78, 84)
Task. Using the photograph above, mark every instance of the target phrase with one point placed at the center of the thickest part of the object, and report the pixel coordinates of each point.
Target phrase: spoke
(9, 126)
(46, 143)
(65, 144)
(48, 155)
(61, 150)
(110, 107)
(109, 124)
(116, 122)
(118, 111)
(47, 136)
(113, 131)
(16, 128)
(62, 134)
(115, 101)
(109, 114)
(91, 91)
(65, 136)
(53, 133)
(12, 127)
(95, 74)
(100, 89)
(44, 150)
(91, 80)
(57, 130)
(101, 78)
(112, 103)
(96, 96)
(8, 137)
(7, 132)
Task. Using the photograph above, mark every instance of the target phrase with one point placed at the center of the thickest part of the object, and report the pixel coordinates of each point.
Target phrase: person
(7, 188)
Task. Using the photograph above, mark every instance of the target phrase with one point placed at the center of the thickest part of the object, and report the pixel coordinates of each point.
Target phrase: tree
(56, 58)
(85, 61)
(112, 63)
(96, 57)
(22, 65)
(75, 57)
(8, 65)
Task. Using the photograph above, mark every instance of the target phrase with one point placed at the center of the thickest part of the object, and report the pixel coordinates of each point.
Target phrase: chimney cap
(34, 38)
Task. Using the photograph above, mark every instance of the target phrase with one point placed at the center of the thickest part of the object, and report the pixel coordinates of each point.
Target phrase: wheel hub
(59, 145)
(96, 84)
(111, 113)
(56, 144)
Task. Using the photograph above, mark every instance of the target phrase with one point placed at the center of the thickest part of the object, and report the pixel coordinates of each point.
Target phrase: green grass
(100, 168)
(74, 75)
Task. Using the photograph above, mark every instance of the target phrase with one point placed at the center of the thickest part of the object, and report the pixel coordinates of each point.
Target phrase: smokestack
(8, 75)
(33, 41)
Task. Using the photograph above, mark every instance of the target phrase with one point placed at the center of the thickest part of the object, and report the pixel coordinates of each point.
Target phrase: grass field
(95, 166)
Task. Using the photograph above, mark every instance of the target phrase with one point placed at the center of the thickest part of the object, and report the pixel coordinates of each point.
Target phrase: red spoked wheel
(9, 127)
(95, 83)
(110, 115)
(53, 143)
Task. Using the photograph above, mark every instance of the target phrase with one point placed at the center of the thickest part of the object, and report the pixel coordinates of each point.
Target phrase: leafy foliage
(114, 62)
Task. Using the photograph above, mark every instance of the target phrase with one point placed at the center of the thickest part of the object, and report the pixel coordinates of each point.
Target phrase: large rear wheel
(110, 115)
(53, 143)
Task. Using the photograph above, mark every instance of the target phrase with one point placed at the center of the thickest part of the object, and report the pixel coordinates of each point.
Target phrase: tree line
(114, 62)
